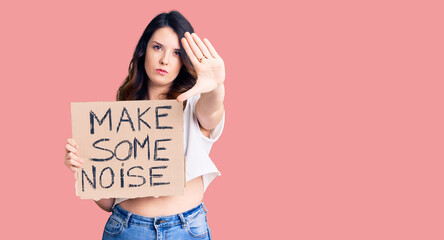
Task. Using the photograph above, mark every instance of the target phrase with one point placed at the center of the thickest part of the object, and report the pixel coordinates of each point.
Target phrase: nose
(164, 59)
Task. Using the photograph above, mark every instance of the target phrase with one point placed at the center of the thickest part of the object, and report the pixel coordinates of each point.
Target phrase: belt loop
(125, 224)
(204, 207)
(182, 219)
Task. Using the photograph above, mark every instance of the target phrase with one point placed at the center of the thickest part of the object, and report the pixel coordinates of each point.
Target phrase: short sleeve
(216, 132)
(198, 146)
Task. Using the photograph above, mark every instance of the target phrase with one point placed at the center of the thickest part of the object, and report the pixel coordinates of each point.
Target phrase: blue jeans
(191, 224)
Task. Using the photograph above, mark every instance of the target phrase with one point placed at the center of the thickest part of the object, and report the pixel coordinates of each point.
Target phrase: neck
(157, 92)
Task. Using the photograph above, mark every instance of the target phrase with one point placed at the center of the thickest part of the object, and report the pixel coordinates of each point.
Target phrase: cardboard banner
(131, 148)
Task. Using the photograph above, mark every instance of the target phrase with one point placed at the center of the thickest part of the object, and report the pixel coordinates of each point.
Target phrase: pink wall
(334, 114)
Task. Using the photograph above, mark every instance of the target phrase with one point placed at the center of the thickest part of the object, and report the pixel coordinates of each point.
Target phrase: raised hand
(208, 64)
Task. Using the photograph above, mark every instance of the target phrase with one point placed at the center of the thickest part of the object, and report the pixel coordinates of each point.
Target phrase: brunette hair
(135, 85)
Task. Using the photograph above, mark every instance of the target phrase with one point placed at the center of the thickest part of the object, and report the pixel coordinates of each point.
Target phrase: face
(163, 53)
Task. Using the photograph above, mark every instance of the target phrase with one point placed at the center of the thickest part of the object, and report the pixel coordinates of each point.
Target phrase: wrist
(217, 93)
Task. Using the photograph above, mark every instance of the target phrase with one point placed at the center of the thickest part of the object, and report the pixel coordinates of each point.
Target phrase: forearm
(210, 107)
(106, 203)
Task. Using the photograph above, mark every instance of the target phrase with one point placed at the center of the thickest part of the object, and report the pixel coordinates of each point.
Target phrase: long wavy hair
(135, 85)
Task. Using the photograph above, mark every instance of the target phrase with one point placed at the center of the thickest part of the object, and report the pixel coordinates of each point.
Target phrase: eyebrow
(162, 45)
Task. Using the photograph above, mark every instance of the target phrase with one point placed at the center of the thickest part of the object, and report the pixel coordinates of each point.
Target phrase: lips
(161, 71)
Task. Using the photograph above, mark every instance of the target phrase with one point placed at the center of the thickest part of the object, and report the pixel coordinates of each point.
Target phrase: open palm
(209, 66)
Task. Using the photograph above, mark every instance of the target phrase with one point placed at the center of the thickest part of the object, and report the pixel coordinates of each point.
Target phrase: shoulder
(193, 100)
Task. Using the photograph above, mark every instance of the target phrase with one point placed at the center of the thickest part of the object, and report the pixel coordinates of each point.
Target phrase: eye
(157, 47)
(177, 53)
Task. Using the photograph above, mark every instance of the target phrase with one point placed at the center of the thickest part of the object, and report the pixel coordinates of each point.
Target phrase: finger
(70, 148)
(193, 46)
(186, 95)
(210, 48)
(189, 52)
(72, 143)
(73, 168)
(203, 48)
(76, 158)
(74, 163)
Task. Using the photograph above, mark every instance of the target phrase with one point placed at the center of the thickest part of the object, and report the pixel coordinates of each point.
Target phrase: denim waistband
(165, 221)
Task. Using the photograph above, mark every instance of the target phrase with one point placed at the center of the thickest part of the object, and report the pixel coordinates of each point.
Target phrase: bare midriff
(168, 205)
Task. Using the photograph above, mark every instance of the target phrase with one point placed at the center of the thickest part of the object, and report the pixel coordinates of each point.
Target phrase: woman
(191, 71)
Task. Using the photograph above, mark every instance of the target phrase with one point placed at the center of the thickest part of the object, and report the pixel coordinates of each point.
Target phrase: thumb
(186, 95)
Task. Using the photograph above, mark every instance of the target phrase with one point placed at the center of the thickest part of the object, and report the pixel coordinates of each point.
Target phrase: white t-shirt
(197, 147)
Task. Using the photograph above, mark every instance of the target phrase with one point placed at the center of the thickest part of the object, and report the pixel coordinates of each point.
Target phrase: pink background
(334, 114)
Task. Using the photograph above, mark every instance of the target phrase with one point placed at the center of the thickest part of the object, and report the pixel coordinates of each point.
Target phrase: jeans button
(158, 221)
